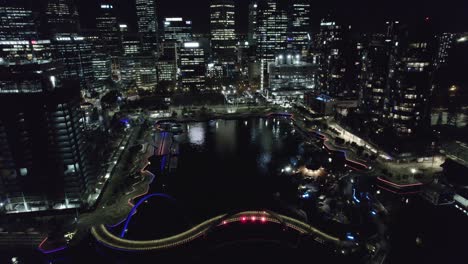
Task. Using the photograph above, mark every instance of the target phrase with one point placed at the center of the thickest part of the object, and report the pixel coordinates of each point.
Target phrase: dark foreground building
(42, 150)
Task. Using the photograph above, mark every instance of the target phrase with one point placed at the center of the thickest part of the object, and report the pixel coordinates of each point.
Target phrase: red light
(428, 18)
(243, 218)
(263, 219)
(224, 222)
(33, 42)
(253, 218)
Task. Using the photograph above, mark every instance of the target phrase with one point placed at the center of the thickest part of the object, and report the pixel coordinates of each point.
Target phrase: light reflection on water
(196, 134)
(225, 137)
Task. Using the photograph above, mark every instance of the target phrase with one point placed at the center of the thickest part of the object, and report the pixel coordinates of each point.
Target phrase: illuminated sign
(191, 45)
(174, 19)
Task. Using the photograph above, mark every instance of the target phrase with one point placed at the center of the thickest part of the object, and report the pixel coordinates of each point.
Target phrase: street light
(413, 171)
(453, 88)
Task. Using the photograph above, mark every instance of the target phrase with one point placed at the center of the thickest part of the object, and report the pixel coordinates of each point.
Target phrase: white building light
(53, 80)
(191, 45)
(174, 19)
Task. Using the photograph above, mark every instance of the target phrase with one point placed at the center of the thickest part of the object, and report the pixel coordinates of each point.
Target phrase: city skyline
(365, 16)
(200, 131)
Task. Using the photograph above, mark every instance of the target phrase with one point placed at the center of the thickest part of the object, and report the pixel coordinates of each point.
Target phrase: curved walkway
(332, 148)
(106, 238)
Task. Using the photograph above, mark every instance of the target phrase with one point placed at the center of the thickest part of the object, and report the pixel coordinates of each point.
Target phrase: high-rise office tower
(336, 50)
(101, 64)
(291, 78)
(61, 16)
(138, 72)
(61, 26)
(16, 22)
(299, 26)
(272, 29)
(131, 44)
(75, 53)
(192, 67)
(373, 78)
(177, 29)
(43, 161)
(410, 78)
(223, 32)
(148, 24)
(450, 94)
(253, 23)
(108, 28)
(19, 40)
(271, 35)
(445, 43)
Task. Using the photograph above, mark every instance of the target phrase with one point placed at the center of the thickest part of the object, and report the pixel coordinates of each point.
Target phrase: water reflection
(196, 133)
(226, 137)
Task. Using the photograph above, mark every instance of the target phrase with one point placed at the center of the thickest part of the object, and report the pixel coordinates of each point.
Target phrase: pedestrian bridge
(106, 238)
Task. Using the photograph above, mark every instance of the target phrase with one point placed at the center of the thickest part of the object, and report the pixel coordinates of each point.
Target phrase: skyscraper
(147, 24)
(192, 67)
(410, 78)
(61, 26)
(445, 43)
(253, 23)
(61, 16)
(272, 29)
(101, 64)
(223, 35)
(75, 53)
(177, 29)
(138, 72)
(373, 78)
(299, 26)
(16, 22)
(291, 78)
(108, 29)
(43, 162)
(19, 38)
(335, 48)
(271, 35)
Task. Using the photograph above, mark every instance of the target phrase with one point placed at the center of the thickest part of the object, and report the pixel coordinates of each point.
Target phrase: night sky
(364, 15)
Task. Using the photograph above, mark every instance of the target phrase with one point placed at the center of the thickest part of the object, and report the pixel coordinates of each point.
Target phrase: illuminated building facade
(16, 23)
(192, 67)
(373, 80)
(101, 65)
(271, 35)
(445, 43)
(177, 29)
(410, 81)
(147, 24)
(132, 44)
(108, 29)
(291, 78)
(330, 44)
(138, 72)
(299, 26)
(253, 23)
(223, 32)
(61, 17)
(75, 53)
(167, 69)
